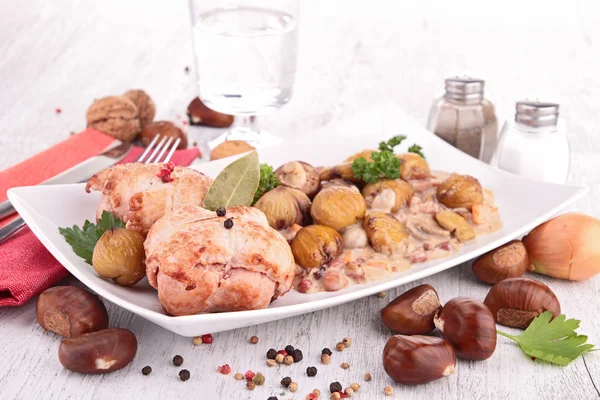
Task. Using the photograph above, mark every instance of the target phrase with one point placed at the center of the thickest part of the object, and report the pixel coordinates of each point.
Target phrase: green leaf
(390, 144)
(552, 340)
(236, 185)
(415, 148)
(83, 240)
(267, 182)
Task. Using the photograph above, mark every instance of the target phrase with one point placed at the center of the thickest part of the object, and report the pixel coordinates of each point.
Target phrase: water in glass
(246, 58)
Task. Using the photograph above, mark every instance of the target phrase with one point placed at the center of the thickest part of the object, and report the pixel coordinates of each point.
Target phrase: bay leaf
(235, 185)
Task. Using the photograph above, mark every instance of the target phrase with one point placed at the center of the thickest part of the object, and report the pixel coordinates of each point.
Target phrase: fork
(154, 153)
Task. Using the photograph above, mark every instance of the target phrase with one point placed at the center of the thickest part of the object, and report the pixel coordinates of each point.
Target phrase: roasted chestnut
(384, 231)
(460, 191)
(70, 311)
(299, 175)
(412, 312)
(456, 224)
(284, 207)
(338, 207)
(366, 154)
(387, 195)
(342, 171)
(316, 245)
(119, 255)
(517, 301)
(414, 360)
(98, 352)
(413, 166)
(507, 261)
(469, 326)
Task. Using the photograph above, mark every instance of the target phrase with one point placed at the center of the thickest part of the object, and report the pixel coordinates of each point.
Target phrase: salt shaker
(535, 145)
(465, 119)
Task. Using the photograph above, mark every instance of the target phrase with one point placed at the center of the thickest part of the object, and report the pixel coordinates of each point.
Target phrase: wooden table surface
(62, 54)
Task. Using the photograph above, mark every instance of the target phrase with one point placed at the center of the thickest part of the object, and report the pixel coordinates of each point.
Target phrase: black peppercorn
(311, 371)
(177, 361)
(326, 351)
(335, 387)
(297, 355)
(184, 375)
(285, 382)
(147, 370)
(228, 223)
(271, 354)
(289, 349)
(221, 211)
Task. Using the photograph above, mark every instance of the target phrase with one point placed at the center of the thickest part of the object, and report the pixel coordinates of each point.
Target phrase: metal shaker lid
(464, 89)
(536, 114)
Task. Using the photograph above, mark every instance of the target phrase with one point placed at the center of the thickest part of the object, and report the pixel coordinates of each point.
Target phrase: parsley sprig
(267, 182)
(552, 340)
(83, 240)
(384, 164)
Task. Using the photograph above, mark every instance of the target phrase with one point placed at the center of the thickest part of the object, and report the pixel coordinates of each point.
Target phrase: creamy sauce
(360, 263)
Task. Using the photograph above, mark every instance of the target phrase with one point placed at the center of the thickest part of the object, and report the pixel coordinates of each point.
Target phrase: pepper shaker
(535, 144)
(465, 119)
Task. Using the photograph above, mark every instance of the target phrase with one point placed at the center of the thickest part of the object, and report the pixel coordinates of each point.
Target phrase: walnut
(116, 116)
(144, 104)
(199, 114)
(164, 128)
(230, 148)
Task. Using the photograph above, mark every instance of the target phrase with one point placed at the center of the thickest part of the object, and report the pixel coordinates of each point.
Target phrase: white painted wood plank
(352, 54)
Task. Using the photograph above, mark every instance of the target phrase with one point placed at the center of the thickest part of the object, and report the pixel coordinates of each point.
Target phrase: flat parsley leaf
(267, 182)
(384, 164)
(552, 340)
(83, 240)
(390, 144)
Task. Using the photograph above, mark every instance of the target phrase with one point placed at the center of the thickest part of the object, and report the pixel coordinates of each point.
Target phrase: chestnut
(413, 360)
(98, 352)
(412, 312)
(469, 326)
(70, 311)
(517, 301)
(507, 261)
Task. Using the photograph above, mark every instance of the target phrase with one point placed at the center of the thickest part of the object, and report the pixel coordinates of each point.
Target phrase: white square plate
(523, 204)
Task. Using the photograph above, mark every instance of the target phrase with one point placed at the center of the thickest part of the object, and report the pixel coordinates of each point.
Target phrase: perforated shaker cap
(536, 114)
(464, 89)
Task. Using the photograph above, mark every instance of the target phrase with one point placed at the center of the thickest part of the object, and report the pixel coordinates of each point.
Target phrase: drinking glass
(245, 53)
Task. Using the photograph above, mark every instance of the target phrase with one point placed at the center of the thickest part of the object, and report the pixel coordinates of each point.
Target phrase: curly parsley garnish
(83, 240)
(384, 164)
(267, 182)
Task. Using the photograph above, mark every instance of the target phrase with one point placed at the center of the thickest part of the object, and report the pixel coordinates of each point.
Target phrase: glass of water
(245, 53)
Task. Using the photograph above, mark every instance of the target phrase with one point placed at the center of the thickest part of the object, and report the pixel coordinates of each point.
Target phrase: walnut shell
(116, 116)
(230, 148)
(163, 128)
(144, 104)
(199, 114)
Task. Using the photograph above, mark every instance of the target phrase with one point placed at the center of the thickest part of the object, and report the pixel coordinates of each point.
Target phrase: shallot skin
(565, 247)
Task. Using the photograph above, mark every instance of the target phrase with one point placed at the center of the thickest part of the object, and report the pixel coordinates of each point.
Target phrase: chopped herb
(415, 148)
(83, 240)
(267, 182)
(552, 340)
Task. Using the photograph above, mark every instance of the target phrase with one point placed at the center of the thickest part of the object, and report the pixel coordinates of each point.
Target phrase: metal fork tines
(154, 153)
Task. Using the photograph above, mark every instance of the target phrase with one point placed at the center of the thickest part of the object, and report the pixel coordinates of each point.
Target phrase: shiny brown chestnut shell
(517, 301)
(507, 261)
(98, 352)
(414, 360)
(70, 311)
(469, 326)
(412, 312)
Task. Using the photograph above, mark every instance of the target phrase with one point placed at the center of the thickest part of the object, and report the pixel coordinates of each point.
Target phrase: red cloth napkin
(26, 267)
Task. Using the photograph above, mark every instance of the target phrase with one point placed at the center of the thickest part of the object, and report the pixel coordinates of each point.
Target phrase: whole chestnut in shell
(469, 326)
(517, 301)
(413, 360)
(98, 352)
(70, 311)
(507, 261)
(412, 312)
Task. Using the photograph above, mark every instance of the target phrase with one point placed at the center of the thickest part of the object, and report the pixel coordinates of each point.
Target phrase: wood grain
(352, 54)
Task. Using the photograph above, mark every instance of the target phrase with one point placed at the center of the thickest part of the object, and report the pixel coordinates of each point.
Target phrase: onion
(566, 247)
